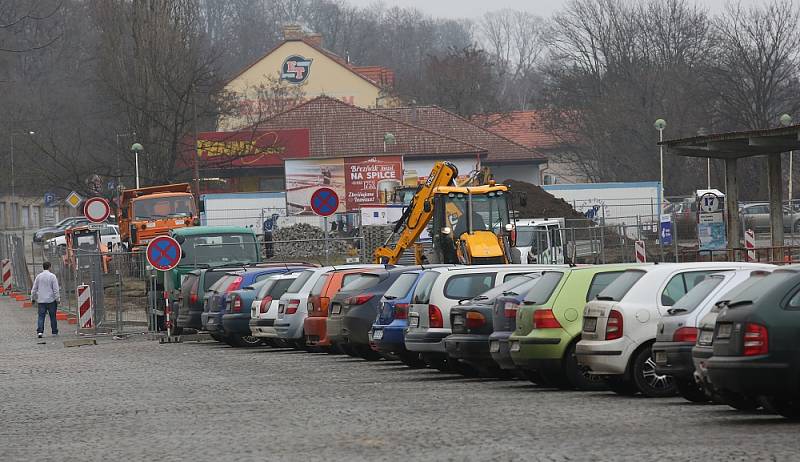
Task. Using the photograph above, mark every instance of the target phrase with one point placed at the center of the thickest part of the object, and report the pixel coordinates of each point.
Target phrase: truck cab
(540, 240)
(146, 213)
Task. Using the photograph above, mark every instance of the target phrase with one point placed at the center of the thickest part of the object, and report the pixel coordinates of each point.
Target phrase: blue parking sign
(665, 232)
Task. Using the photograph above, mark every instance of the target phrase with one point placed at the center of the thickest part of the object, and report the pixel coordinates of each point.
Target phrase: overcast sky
(474, 8)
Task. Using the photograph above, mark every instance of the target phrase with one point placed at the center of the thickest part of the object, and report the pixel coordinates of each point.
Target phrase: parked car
(704, 348)
(548, 325)
(189, 310)
(293, 306)
(354, 308)
(319, 299)
(264, 309)
(619, 326)
(213, 297)
(756, 347)
(388, 331)
(109, 235)
(473, 322)
(757, 218)
(677, 330)
(49, 232)
(219, 302)
(438, 290)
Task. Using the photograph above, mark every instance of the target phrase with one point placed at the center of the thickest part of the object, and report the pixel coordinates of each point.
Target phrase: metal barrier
(12, 248)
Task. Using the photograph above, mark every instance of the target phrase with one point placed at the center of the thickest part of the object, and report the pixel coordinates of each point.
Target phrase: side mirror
(180, 238)
(426, 206)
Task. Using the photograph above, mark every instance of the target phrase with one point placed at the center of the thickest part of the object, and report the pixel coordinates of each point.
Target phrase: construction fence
(13, 250)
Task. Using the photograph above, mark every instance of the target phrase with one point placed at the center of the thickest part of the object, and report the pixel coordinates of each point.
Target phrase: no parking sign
(163, 253)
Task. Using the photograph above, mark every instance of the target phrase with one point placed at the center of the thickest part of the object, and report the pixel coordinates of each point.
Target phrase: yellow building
(301, 61)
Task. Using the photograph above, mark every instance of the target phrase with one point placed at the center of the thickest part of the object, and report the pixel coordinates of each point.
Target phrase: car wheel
(248, 341)
(411, 359)
(646, 379)
(621, 386)
(691, 391)
(737, 401)
(364, 351)
(579, 377)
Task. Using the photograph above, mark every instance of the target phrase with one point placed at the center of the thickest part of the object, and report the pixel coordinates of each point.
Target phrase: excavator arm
(417, 215)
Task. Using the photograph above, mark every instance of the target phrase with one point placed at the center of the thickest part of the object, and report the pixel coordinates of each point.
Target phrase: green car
(550, 320)
(205, 247)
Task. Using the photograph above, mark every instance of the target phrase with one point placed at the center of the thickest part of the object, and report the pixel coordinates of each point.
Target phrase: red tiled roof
(524, 127)
(500, 148)
(340, 129)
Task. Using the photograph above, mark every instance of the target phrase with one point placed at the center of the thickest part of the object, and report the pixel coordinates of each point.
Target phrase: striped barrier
(85, 308)
(750, 244)
(7, 275)
(641, 254)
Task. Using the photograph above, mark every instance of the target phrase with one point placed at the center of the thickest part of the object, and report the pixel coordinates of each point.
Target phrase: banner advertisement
(252, 148)
(303, 177)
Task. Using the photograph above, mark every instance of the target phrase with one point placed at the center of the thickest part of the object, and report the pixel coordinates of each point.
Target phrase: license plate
(413, 322)
(514, 346)
(494, 347)
(179, 222)
(377, 334)
(724, 330)
(706, 337)
(589, 324)
(661, 357)
(336, 308)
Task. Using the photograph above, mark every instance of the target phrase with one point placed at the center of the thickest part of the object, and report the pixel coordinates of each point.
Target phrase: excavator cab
(472, 225)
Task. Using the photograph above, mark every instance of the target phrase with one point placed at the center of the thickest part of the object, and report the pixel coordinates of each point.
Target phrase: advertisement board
(252, 148)
(303, 177)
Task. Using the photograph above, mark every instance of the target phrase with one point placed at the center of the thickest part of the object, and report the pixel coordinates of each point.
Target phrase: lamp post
(660, 125)
(137, 148)
(786, 120)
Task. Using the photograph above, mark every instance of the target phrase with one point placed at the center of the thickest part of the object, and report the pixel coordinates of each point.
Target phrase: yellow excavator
(471, 225)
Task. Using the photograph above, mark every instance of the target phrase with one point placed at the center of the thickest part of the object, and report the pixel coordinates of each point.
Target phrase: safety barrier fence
(13, 252)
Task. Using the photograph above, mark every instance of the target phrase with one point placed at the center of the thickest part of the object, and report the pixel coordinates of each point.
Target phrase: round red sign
(96, 209)
(163, 253)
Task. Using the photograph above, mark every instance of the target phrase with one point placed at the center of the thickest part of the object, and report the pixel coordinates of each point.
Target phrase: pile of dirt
(542, 204)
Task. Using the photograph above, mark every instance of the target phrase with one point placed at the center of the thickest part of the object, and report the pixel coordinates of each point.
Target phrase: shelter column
(732, 205)
(775, 178)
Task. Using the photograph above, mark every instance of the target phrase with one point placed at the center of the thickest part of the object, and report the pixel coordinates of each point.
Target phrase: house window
(550, 179)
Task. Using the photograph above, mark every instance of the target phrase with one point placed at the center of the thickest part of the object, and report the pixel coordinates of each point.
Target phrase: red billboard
(252, 148)
(371, 180)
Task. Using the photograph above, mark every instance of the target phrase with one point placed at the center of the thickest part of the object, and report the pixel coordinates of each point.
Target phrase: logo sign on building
(251, 148)
(74, 199)
(163, 253)
(324, 202)
(665, 233)
(96, 209)
(295, 69)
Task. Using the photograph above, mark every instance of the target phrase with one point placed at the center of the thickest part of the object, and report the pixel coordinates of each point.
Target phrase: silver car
(756, 217)
(677, 330)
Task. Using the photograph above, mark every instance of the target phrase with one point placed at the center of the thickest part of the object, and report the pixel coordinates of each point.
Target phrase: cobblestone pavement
(138, 400)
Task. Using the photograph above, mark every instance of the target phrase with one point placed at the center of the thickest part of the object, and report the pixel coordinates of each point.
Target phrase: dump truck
(146, 213)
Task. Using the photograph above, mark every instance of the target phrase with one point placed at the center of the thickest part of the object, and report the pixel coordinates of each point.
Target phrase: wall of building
(28, 212)
(325, 77)
(528, 173)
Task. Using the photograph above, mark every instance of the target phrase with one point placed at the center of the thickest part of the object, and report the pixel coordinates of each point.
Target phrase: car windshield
(532, 236)
(617, 289)
(219, 249)
(511, 287)
(700, 292)
(161, 207)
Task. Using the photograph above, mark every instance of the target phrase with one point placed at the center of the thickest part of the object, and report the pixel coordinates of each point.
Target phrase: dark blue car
(388, 332)
(218, 301)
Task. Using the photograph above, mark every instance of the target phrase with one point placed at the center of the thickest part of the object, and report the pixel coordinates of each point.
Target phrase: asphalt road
(137, 400)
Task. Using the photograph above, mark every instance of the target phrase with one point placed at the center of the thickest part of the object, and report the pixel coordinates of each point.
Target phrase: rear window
(698, 293)
(364, 281)
(466, 286)
(401, 286)
(761, 287)
(317, 289)
(620, 286)
(422, 294)
(681, 284)
(211, 278)
(348, 278)
(749, 289)
(275, 288)
(223, 282)
(300, 282)
(542, 290)
(262, 292)
(514, 284)
(600, 281)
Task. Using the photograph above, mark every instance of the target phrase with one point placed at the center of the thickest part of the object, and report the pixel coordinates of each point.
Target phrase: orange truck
(146, 213)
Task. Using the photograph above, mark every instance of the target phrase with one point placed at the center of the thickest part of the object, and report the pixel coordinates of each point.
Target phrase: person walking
(45, 292)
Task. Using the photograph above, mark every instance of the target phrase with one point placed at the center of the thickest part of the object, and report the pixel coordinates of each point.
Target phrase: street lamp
(137, 148)
(30, 133)
(660, 125)
(786, 120)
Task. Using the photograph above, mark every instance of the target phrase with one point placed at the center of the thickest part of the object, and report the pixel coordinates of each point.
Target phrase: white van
(540, 241)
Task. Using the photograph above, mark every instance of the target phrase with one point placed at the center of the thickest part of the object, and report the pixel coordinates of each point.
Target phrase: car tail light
(401, 311)
(545, 319)
(685, 334)
(236, 305)
(264, 307)
(193, 297)
(292, 307)
(235, 284)
(756, 340)
(359, 299)
(510, 310)
(475, 320)
(435, 319)
(614, 325)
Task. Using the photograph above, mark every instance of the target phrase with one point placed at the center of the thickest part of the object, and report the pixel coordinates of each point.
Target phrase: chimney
(314, 39)
(293, 32)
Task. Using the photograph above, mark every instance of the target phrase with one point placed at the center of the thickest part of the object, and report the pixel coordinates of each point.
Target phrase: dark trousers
(44, 309)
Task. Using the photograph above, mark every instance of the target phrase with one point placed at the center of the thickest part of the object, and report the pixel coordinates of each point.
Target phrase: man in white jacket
(46, 293)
